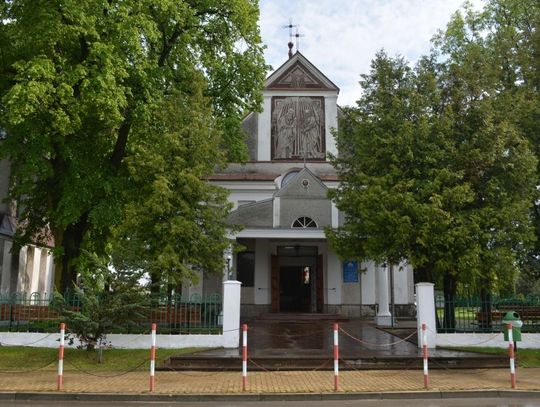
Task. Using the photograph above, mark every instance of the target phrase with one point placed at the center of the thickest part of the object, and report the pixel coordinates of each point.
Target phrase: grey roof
(257, 214)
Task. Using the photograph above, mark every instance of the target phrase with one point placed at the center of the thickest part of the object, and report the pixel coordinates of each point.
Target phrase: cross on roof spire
(297, 35)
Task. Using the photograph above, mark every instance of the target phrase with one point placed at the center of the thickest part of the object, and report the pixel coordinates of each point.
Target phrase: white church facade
(28, 270)
(280, 201)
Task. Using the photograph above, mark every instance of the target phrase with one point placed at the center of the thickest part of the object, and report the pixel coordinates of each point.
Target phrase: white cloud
(341, 37)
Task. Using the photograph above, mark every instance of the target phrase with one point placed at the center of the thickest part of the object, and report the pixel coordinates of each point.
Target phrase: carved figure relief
(298, 128)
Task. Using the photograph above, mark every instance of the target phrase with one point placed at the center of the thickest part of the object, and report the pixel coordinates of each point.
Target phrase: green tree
(513, 44)
(432, 173)
(174, 223)
(82, 84)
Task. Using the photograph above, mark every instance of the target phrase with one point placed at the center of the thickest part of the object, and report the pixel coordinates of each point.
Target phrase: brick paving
(270, 382)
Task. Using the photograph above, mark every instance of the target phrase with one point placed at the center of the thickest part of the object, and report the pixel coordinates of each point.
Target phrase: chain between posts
(493, 336)
(131, 370)
(8, 371)
(382, 345)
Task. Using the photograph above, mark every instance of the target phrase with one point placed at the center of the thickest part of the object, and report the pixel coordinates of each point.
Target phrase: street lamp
(229, 274)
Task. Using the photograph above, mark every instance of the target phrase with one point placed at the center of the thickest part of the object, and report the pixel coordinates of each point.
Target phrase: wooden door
(275, 283)
(320, 283)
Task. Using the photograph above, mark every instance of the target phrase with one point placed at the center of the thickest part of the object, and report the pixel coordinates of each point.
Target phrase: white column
(36, 268)
(21, 278)
(49, 286)
(425, 313)
(383, 318)
(5, 275)
(231, 313)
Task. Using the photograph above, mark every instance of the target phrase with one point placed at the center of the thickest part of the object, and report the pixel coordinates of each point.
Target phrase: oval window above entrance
(304, 222)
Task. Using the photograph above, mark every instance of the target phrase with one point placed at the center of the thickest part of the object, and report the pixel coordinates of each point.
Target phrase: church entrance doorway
(297, 283)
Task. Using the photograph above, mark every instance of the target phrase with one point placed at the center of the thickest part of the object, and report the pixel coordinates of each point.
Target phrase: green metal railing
(477, 315)
(176, 314)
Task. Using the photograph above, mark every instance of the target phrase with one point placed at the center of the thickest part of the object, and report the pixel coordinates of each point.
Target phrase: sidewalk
(219, 383)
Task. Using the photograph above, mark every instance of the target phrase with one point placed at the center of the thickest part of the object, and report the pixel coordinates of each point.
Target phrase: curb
(412, 395)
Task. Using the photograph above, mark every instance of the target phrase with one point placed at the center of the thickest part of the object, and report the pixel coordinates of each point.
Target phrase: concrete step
(272, 363)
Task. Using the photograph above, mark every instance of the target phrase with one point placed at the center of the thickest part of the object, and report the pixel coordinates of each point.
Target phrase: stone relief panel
(298, 128)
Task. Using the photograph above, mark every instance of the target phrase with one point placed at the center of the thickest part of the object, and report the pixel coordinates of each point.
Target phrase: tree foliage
(436, 168)
(112, 106)
(105, 301)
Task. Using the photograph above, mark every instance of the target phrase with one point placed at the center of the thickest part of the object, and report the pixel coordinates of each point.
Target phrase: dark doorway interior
(295, 290)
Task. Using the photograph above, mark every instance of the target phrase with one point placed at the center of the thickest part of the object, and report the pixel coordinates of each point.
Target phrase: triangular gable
(299, 74)
(304, 185)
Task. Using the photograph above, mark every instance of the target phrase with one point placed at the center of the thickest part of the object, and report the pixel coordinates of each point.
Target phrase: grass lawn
(19, 358)
(525, 357)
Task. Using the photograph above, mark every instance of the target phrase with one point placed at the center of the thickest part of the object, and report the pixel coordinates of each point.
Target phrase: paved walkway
(357, 338)
(271, 382)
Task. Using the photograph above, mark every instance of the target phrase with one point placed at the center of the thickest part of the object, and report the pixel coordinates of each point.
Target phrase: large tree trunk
(70, 240)
(449, 286)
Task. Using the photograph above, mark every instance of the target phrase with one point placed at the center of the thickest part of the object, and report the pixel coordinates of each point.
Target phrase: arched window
(304, 222)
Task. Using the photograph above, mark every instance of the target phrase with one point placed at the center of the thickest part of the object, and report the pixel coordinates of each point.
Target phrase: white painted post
(511, 355)
(244, 356)
(153, 359)
(425, 355)
(60, 376)
(336, 357)
(231, 313)
(383, 318)
(425, 313)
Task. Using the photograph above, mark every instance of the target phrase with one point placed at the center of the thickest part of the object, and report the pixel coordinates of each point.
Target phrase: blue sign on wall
(350, 271)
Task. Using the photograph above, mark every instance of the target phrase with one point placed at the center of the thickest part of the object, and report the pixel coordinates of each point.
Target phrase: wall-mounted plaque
(350, 271)
(298, 128)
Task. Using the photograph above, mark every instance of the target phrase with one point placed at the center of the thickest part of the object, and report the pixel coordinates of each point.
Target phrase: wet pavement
(278, 343)
(357, 339)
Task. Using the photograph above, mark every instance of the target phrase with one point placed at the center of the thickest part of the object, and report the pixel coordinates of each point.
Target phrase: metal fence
(477, 315)
(176, 314)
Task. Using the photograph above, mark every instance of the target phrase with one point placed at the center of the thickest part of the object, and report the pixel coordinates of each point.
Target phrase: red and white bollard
(425, 355)
(244, 356)
(153, 360)
(511, 355)
(336, 358)
(60, 378)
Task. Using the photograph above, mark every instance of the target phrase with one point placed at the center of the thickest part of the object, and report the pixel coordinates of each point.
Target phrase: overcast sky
(342, 36)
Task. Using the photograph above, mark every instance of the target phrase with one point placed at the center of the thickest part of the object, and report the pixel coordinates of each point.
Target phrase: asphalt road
(476, 402)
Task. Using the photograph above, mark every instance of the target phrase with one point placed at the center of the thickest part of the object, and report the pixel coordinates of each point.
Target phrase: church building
(30, 269)
(280, 201)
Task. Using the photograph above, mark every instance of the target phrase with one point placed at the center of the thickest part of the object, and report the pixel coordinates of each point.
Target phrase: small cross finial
(298, 35)
(290, 26)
